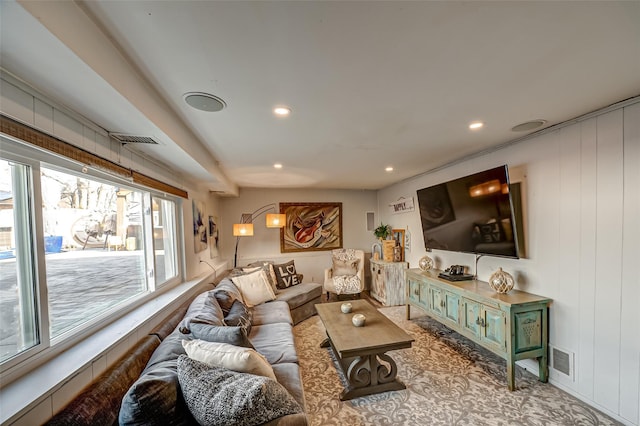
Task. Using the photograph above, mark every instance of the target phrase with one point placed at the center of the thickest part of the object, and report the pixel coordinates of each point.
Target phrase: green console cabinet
(513, 325)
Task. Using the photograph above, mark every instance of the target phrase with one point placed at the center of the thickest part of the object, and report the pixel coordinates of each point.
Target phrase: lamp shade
(243, 229)
(276, 220)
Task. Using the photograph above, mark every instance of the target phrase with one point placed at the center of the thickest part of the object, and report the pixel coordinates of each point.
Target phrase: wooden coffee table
(361, 351)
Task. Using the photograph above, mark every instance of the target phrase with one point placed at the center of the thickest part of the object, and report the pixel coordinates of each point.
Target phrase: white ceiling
(371, 84)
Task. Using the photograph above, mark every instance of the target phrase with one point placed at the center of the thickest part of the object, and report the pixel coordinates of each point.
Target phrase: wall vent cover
(124, 138)
(562, 361)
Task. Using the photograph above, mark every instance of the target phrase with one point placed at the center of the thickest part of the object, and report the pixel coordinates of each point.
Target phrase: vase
(425, 263)
(501, 281)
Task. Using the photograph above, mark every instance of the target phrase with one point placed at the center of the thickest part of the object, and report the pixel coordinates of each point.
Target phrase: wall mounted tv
(473, 214)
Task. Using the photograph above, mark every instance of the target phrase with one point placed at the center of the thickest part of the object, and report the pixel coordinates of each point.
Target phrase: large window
(75, 248)
(19, 318)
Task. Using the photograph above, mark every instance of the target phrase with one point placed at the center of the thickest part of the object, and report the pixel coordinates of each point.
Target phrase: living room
(581, 226)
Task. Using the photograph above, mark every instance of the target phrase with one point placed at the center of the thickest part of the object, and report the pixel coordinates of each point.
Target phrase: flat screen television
(472, 214)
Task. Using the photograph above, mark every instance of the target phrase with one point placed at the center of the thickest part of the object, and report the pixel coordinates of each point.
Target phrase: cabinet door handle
(480, 322)
(442, 303)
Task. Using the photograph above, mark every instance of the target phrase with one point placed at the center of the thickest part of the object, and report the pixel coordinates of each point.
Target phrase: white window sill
(41, 393)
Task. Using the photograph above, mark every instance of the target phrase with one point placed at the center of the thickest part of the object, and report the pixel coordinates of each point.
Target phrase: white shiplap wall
(583, 207)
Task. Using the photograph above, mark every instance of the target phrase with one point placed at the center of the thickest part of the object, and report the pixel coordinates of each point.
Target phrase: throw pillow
(239, 315)
(225, 300)
(286, 275)
(203, 310)
(272, 273)
(345, 267)
(219, 397)
(255, 288)
(233, 335)
(268, 270)
(155, 397)
(243, 360)
(227, 285)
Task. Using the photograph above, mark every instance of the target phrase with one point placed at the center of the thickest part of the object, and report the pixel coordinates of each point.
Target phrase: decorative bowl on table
(358, 320)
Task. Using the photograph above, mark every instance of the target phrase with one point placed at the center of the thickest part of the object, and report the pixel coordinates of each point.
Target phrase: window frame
(15, 150)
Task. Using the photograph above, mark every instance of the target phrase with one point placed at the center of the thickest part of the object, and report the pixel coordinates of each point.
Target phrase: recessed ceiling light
(388, 169)
(204, 101)
(282, 111)
(529, 125)
(476, 125)
(277, 166)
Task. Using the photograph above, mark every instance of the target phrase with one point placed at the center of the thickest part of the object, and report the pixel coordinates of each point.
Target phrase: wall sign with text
(403, 205)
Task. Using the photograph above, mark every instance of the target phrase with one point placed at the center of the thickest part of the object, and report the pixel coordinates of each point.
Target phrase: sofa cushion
(217, 396)
(275, 342)
(300, 294)
(288, 375)
(254, 287)
(155, 398)
(270, 313)
(242, 360)
(233, 335)
(203, 310)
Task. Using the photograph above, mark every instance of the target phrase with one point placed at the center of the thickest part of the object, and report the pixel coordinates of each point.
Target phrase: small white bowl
(345, 308)
(358, 320)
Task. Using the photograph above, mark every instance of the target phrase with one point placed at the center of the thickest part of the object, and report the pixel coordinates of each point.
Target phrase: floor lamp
(245, 227)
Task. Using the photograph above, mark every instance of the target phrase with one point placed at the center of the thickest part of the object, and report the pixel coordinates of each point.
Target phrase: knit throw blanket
(346, 284)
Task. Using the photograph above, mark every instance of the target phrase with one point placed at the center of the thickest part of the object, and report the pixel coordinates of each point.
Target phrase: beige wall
(265, 244)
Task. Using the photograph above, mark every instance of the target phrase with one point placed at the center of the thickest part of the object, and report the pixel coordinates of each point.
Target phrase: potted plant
(382, 231)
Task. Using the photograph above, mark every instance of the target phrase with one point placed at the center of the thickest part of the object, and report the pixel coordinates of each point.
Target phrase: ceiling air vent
(123, 138)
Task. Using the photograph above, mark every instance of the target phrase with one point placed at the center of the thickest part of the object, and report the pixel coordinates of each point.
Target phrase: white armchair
(346, 275)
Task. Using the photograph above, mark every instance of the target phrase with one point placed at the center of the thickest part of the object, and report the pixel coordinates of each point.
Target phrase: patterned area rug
(450, 381)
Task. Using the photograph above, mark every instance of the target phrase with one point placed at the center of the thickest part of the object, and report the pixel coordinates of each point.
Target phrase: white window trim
(48, 349)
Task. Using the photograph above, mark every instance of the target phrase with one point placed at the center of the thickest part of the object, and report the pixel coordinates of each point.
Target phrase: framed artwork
(199, 227)
(398, 236)
(213, 236)
(311, 227)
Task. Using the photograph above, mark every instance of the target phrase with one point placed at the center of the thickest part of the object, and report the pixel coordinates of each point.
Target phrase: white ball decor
(425, 263)
(345, 308)
(501, 281)
(358, 320)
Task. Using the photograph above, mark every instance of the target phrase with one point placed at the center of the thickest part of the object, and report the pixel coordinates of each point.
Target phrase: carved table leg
(366, 376)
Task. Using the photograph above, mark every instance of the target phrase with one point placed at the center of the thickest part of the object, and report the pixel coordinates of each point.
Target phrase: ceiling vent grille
(123, 138)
